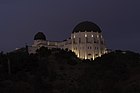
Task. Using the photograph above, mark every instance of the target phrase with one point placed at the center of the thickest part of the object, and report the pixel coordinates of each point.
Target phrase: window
(89, 47)
(96, 55)
(74, 41)
(86, 40)
(102, 42)
(89, 54)
(95, 40)
(101, 36)
(79, 40)
(96, 48)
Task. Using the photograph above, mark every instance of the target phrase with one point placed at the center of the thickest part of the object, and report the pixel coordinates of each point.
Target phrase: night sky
(20, 20)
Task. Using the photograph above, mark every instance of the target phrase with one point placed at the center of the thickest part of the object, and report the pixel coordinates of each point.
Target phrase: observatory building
(86, 41)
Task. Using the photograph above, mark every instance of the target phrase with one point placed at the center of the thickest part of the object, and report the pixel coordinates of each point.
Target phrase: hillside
(60, 71)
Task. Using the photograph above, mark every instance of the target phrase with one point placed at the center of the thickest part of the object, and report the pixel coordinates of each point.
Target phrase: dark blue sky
(20, 20)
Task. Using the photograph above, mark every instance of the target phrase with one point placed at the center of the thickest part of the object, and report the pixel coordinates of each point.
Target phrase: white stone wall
(39, 43)
(52, 44)
(86, 45)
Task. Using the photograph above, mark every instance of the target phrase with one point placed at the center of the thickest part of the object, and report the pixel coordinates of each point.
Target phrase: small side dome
(86, 26)
(39, 36)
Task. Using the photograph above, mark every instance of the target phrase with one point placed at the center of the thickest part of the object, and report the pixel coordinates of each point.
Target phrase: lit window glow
(91, 35)
(85, 35)
(101, 36)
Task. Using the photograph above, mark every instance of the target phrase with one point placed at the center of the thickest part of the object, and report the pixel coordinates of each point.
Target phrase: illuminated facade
(86, 41)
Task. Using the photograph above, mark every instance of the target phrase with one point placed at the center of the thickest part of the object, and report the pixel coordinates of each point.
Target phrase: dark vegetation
(60, 71)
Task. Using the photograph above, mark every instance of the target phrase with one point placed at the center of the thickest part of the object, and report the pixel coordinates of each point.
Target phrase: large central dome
(40, 36)
(86, 26)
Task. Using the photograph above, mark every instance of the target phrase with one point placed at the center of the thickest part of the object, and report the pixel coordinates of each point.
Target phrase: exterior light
(78, 55)
(93, 57)
(85, 57)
